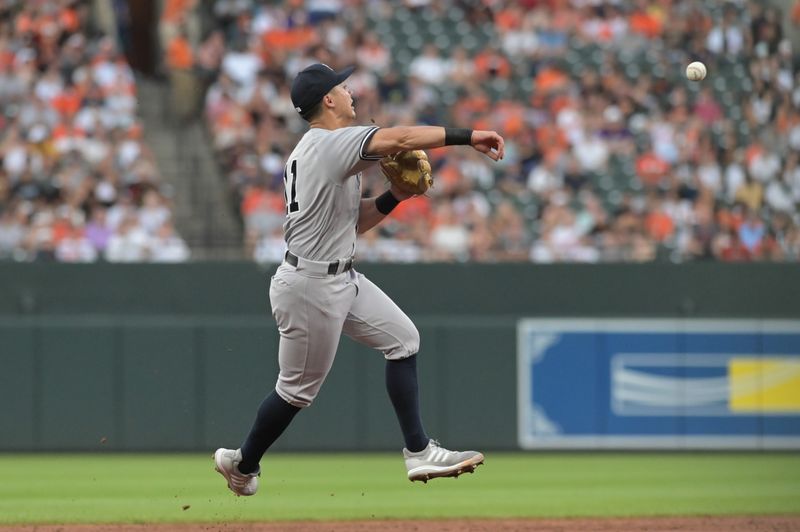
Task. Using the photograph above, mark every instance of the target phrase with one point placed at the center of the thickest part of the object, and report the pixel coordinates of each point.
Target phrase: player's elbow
(405, 140)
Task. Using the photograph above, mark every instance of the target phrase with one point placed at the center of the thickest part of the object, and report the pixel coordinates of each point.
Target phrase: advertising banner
(661, 384)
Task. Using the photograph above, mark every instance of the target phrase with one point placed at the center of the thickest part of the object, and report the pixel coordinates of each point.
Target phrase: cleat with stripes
(226, 463)
(434, 461)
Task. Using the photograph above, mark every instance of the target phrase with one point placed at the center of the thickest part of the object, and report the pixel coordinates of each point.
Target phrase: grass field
(145, 488)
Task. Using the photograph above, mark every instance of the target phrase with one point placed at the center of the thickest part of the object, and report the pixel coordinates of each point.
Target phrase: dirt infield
(656, 524)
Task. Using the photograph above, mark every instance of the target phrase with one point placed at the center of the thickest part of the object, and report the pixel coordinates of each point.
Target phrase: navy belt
(333, 267)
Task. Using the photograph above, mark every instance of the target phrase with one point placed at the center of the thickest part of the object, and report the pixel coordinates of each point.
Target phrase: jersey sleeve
(345, 150)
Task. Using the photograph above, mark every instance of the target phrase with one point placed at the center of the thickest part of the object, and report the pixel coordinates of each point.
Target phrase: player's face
(344, 100)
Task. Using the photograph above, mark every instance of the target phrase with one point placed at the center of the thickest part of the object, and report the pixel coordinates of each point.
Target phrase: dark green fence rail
(178, 357)
(701, 289)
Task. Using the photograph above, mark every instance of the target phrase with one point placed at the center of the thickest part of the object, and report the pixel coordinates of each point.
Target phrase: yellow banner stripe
(766, 385)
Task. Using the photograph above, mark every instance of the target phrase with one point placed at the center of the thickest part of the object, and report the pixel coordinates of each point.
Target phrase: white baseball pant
(313, 308)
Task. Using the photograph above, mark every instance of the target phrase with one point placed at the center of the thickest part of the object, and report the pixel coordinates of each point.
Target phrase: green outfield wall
(140, 357)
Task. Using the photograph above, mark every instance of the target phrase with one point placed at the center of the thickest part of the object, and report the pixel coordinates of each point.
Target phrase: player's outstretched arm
(387, 141)
(403, 139)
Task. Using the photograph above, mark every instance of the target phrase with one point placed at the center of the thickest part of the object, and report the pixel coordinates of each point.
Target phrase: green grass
(154, 488)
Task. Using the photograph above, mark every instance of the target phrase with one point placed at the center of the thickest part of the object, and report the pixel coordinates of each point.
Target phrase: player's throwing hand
(490, 143)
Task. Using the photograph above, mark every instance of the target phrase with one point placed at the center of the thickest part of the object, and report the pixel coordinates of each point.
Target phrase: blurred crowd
(612, 155)
(77, 183)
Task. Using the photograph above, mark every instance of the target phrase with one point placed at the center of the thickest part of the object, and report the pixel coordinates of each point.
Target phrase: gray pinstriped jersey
(322, 179)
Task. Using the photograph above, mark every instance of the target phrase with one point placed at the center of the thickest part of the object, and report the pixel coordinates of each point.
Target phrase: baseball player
(316, 295)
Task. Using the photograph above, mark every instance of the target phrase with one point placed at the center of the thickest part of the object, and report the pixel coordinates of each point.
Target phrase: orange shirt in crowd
(6, 58)
(752, 152)
(509, 117)
(179, 54)
(560, 102)
(507, 19)
(68, 18)
(646, 23)
(26, 24)
(475, 104)
(659, 225)
(67, 102)
(174, 9)
(63, 129)
(233, 117)
(416, 208)
(482, 123)
(489, 61)
(551, 138)
(259, 199)
(550, 79)
(448, 176)
(290, 39)
(61, 229)
(651, 168)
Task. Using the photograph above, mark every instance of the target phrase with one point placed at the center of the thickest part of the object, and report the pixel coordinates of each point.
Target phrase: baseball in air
(696, 71)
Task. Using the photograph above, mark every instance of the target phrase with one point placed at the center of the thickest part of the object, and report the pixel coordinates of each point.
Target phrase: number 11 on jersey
(290, 183)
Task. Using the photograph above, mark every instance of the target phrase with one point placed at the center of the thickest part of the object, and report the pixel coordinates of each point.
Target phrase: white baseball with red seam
(696, 71)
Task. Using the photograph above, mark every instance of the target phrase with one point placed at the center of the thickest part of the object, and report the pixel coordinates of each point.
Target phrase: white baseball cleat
(226, 462)
(435, 461)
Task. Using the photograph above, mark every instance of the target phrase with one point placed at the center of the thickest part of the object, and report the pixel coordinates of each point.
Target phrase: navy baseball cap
(313, 83)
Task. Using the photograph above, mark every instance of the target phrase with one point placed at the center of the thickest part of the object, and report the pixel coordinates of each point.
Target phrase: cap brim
(344, 73)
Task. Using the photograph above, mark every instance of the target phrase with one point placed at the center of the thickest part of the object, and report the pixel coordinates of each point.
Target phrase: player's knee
(407, 346)
(413, 343)
(295, 398)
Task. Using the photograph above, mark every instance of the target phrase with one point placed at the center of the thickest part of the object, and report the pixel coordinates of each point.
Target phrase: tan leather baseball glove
(409, 171)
